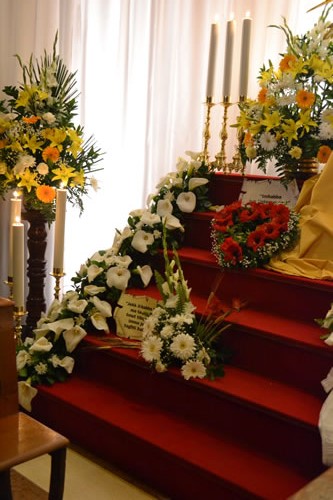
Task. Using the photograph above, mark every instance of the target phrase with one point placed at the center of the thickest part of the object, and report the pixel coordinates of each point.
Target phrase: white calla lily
(99, 322)
(94, 271)
(26, 393)
(195, 182)
(186, 201)
(41, 345)
(171, 222)
(73, 336)
(149, 218)
(146, 274)
(56, 326)
(93, 289)
(102, 306)
(67, 363)
(22, 358)
(141, 240)
(118, 277)
(122, 260)
(77, 306)
(164, 207)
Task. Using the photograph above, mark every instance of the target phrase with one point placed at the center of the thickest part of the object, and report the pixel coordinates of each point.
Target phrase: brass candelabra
(220, 157)
(9, 283)
(19, 313)
(206, 132)
(57, 274)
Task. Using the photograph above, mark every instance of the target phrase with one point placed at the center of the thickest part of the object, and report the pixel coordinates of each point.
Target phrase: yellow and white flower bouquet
(292, 117)
(40, 146)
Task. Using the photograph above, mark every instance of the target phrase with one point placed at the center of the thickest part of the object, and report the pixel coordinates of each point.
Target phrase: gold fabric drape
(312, 257)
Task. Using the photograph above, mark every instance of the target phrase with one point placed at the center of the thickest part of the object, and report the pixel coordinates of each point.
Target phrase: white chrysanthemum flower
(118, 277)
(93, 271)
(164, 207)
(194, 369)
(49, 118)
(183, 346)
(182, 319)
(268, 141)
(42, 168)
(149, 325)
(145, 273)
(325, 131)
(41, 368)
(186, 201)
(25, 394)
(142, 240)
(22, 358)
(151, 348)
(167, 331)
(77, 306)
(41, 345)
(73, 337)
(23, 162)
(93, 289)
(285, 100)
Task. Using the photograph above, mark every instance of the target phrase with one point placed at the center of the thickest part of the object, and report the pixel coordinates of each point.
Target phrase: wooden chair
(22, 438)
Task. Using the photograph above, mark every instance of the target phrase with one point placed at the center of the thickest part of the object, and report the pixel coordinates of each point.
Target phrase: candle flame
(216, 18)
(247, 14)
(17, 219)
(232, 16)
(16, 194)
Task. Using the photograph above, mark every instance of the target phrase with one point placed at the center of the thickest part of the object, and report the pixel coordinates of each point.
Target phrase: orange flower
(287, 62)
(46, 194)
(31, 119)
(323, 154)
(262, 95)
(3, 143)
(305, 99)
(50, 153)
(248, 139)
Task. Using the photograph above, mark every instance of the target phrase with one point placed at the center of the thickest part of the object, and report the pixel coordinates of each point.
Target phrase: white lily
(73, 337)
(146, 274)
(102, 306)
(93, 289)
(141, 240)
(118, 277)
(26, 393)
(94, 271)
(41, 345)
(77, 306)
(186, 201)
(195, 182)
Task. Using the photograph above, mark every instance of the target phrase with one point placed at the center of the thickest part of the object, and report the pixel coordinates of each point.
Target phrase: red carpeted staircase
(250, 434)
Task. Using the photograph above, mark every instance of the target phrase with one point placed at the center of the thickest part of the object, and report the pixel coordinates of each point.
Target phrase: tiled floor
(86, 479)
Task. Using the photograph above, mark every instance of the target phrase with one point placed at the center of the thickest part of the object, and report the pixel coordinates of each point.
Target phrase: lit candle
(18, 264)
(245, 56)
(59, 231)
(212, 60)
(15, 214)
(229, 48)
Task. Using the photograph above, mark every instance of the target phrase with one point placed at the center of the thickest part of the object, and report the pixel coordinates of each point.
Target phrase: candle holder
(206, 132)
(237, 163)
(19, 313)
(57, 274)
(9, 283)
(221, 163)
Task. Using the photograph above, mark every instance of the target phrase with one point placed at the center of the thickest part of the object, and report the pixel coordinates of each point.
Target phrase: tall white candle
(59, 231)
(245, 57)
(229, 48)
(212, 60)
(15, 214)
(18, 265)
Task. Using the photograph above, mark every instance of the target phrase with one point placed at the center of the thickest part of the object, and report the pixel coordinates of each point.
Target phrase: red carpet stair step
(250, 434)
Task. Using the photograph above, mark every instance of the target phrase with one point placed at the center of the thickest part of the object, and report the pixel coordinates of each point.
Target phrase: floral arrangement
(248, 236)
(291, 119)
(40, 147)
(172, 335)
(100, 281)
(327, 323)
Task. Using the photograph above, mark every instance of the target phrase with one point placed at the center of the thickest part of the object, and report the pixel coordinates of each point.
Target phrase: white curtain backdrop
(141, 70)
